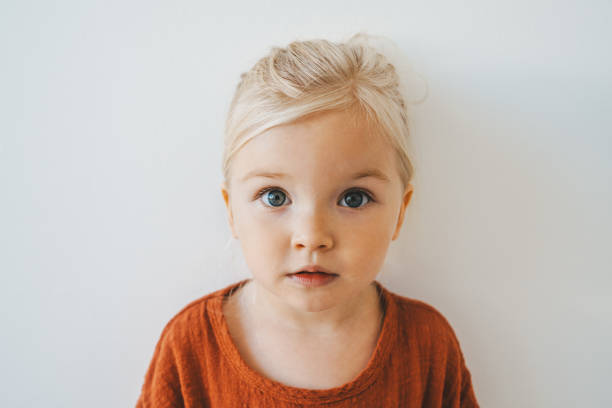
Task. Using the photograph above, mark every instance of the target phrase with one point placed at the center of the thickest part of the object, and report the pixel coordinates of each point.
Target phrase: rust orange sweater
(417, 362)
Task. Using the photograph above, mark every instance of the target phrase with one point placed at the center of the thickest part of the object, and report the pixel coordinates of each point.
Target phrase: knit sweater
(417, 362)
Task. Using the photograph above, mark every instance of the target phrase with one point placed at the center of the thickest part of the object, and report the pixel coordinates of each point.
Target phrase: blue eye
(276, 197)
(354, 198)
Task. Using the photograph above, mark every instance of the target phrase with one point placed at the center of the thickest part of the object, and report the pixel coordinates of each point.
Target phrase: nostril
(319, 243)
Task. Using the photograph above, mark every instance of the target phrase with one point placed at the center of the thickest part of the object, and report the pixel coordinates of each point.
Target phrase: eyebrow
(375, 173)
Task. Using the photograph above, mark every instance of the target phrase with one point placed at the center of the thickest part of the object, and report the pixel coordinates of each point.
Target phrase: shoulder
(425, 335)
(187, 341)
(422, 322)
(419, 312)
(197, 318)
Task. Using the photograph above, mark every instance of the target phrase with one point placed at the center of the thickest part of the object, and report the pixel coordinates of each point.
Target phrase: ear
(405, 201)
(230, 215)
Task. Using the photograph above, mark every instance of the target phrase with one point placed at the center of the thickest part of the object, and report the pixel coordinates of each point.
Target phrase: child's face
(314, 213)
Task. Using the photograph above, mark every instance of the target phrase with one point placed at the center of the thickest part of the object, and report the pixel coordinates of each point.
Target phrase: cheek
(374, 230)
(263, 242)
(368, 243)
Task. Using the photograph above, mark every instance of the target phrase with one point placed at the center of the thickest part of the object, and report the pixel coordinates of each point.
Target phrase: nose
(312, 232)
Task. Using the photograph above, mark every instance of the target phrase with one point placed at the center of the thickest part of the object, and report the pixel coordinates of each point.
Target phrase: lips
(312, 273)
(312, 269)
(312, 279)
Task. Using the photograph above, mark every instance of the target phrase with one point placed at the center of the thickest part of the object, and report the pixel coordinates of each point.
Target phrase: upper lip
(313, 268)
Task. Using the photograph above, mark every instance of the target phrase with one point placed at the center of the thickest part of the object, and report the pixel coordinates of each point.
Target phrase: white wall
(111, 217)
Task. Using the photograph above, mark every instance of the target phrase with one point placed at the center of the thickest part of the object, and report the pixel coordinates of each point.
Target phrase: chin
(310, 304)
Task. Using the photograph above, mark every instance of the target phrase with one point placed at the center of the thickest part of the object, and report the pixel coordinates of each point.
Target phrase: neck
(262, 307)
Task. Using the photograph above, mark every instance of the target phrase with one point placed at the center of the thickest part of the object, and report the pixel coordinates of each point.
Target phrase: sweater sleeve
(467, 396)
(458, 390)
(161, 388)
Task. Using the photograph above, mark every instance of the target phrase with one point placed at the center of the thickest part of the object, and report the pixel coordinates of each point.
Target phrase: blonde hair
(314, 76)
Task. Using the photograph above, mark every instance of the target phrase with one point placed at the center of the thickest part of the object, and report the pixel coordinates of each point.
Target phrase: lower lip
(313, 279)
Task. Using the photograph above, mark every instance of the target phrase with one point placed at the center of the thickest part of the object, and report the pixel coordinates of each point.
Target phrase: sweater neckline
(280, 391)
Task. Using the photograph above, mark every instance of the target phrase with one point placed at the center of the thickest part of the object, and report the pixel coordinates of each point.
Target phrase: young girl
(316, 184)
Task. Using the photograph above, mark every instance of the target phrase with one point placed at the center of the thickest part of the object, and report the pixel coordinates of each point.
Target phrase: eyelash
(368, 195)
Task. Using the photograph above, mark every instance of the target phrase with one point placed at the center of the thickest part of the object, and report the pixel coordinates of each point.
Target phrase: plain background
(111, 217)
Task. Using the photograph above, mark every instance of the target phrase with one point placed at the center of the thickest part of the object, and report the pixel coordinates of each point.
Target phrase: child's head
(315, 76)
(316, 169)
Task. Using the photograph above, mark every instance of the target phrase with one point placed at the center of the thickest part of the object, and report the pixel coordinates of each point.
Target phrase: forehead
(330, 144)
